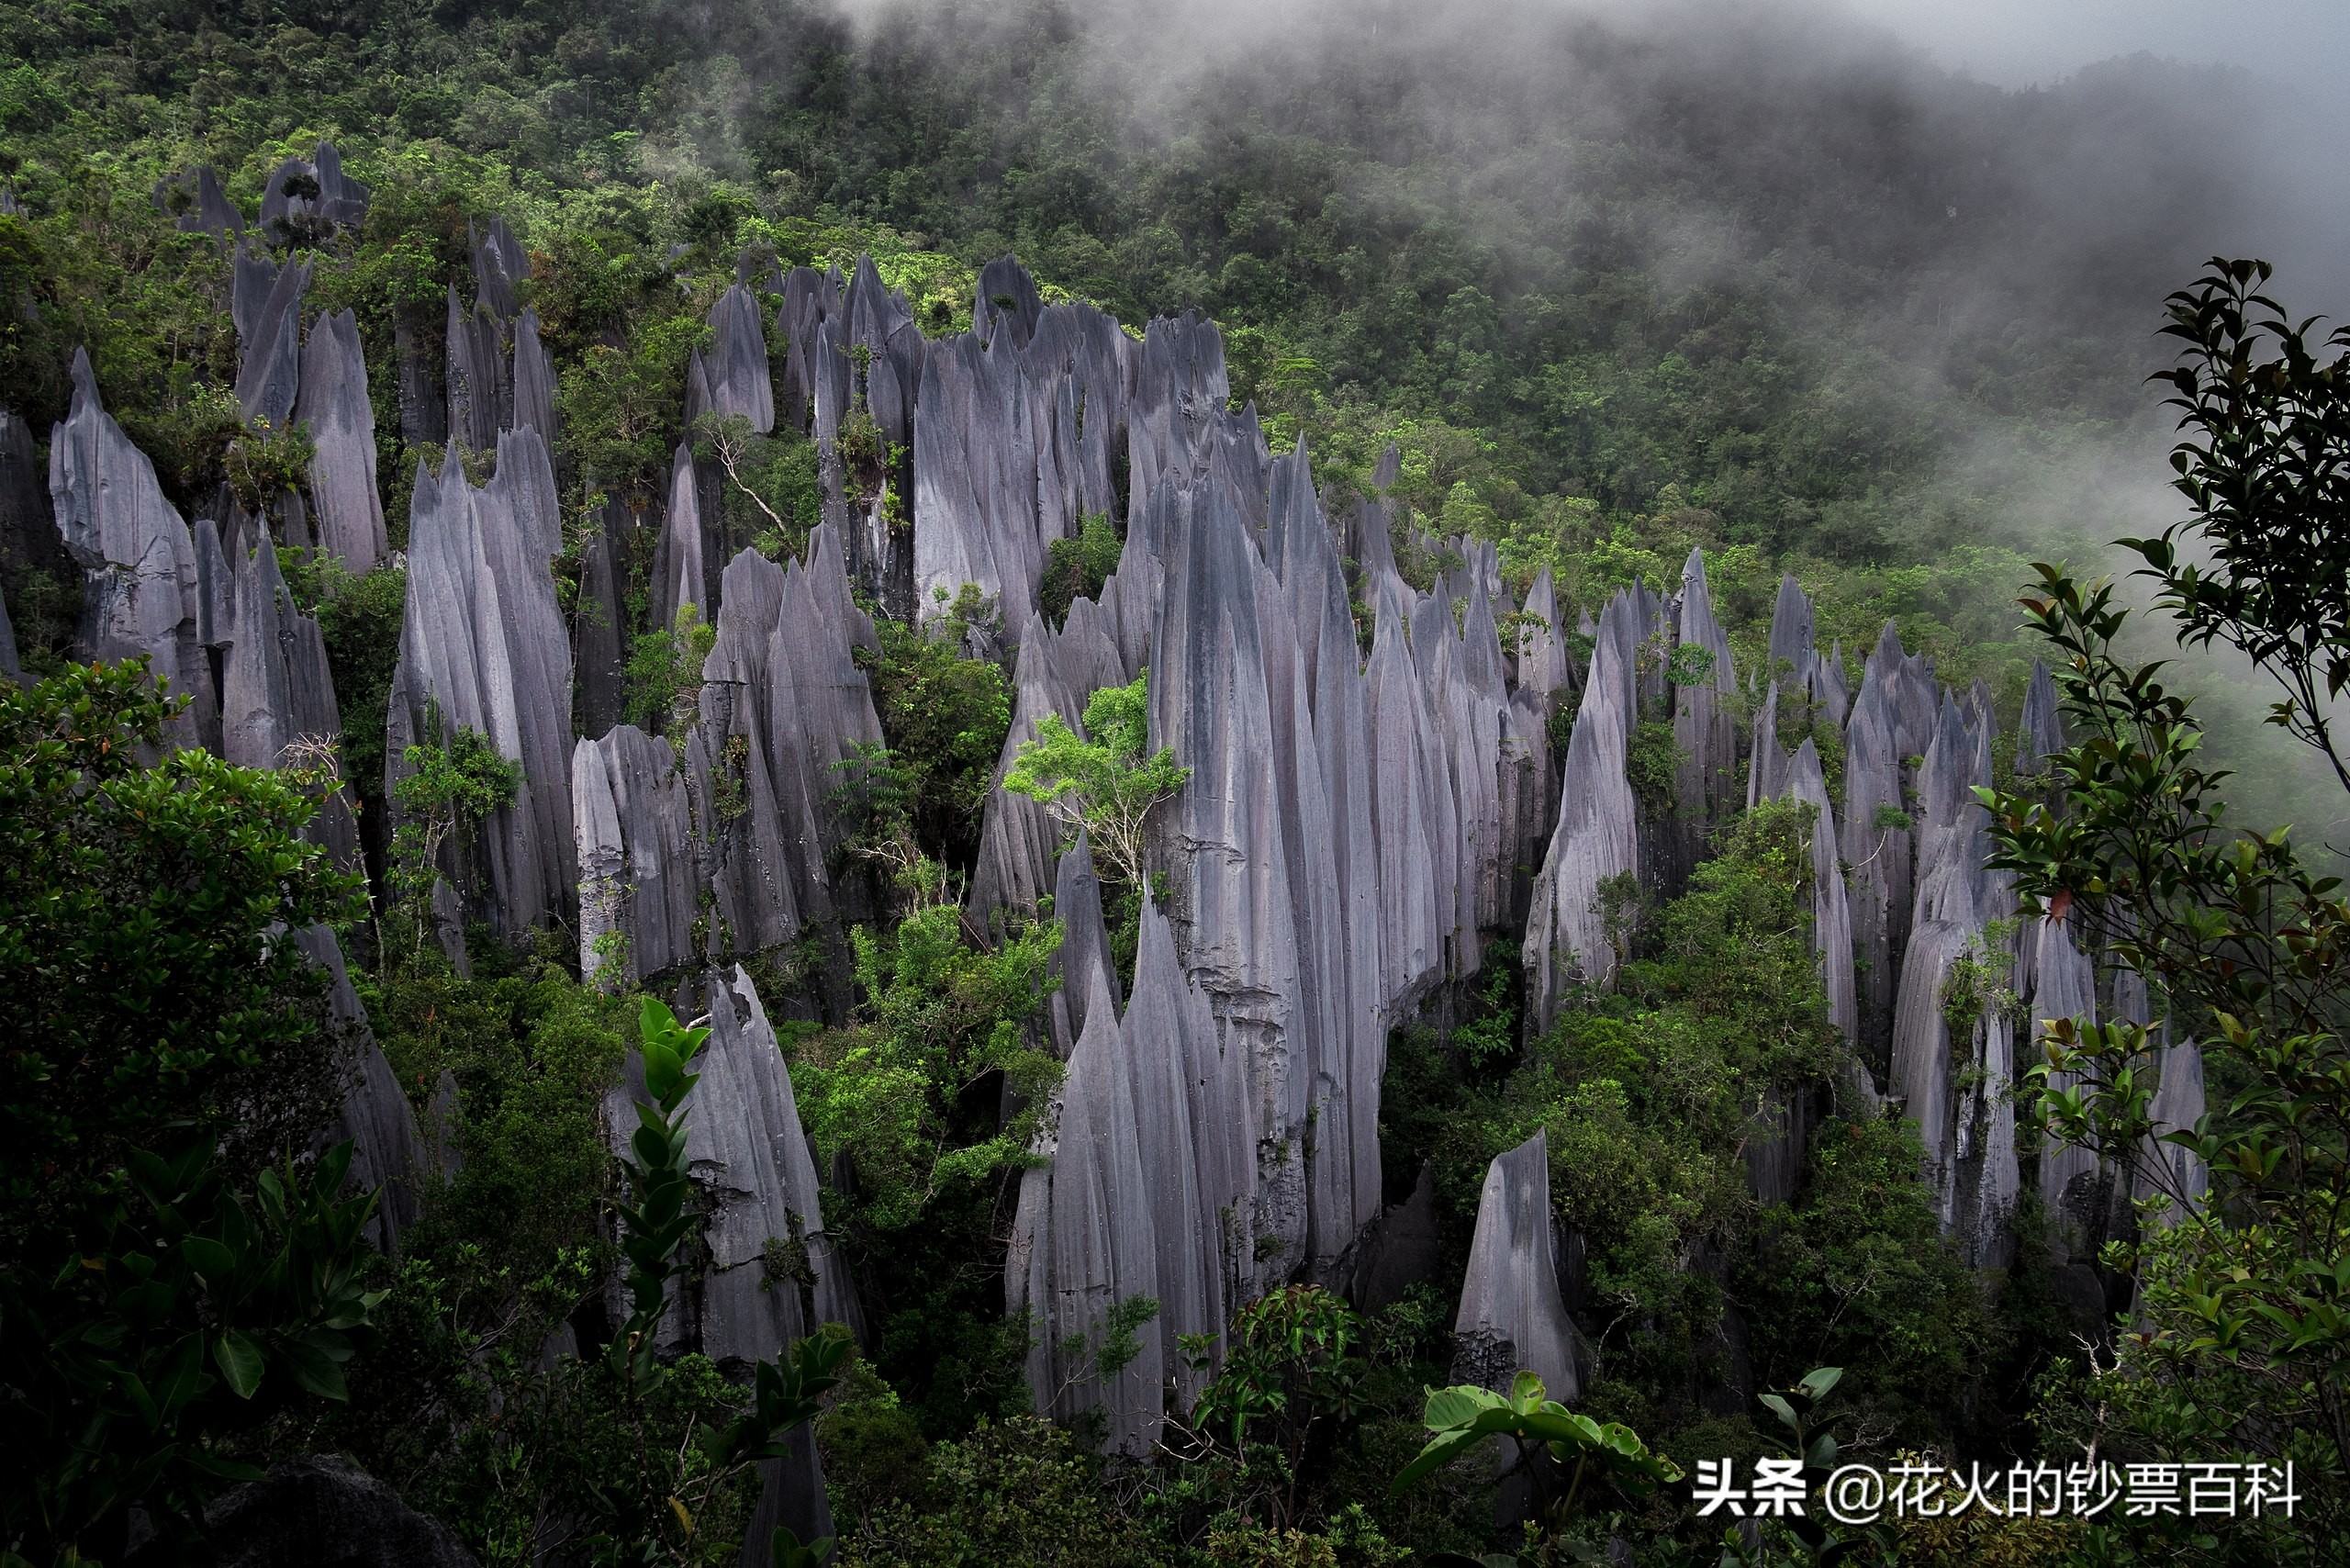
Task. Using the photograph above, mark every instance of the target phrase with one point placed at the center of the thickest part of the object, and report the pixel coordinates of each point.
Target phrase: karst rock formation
(1388, 771)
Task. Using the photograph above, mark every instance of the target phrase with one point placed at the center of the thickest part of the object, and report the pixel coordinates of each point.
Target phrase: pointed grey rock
(1511, 1319)
(1180, 389)
(1878, 853)
(499, 264)
(480, 397)
(603, 631)
(388, 1152)
(1791, 633)
(682, 565)
(29, 536)
(2178, 1106)
(1566, 939)
(637, 879)
(1832, 921)
(484, 645)
(1085, 944)
(1006, 293)
(2042, 734)
(533, 406)
(269, 368)
(333, 404)
(208, 208)
(1766, 771)
(1705, 735)
(1084, 1241)
(252, 274)
(737, 368)
(136, 558)
(2064, 987)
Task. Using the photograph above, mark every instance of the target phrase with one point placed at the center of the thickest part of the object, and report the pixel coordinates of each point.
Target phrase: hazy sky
(2015, 42)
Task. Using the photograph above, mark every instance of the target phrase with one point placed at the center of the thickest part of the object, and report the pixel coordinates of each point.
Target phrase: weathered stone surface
(771, 1274)
(500, 263)
(1878, 851)
(1006, 294)
(269, 368)
(783, 703)
(309, 1512)
(138, 560)
(2042, 730)
(1084, 1239)
(2064, 986)
(205, 208)
(1414, 900)
(685, 566)
(2178, 1106)
(1180, 391)
(277, 704)
(1766, 770)
(1019, 840)
(602, 626)
(637, 872)
(1566, 939)
(531, 405)
(1223, 839)
(480, 397)
(309, 200)
(1705, 735)
(333, 403)
(1832, 920)
(737, 368)
(29, 536)
(1511, 1316)
(387, 1151)
(483, 646)
(1084, 952)
(1791, 634)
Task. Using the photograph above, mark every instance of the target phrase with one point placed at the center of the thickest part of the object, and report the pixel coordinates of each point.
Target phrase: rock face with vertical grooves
(311, 198)
(1566, 934)
(737, 366)
(1084, 1240)
(532, 404)
(1511, 1316)
(136, 558)
(1084, 953)
(1704, 733)
(209, 209)
(480, 397)
(629, 812)
(1235, 913)
(684, 564)
(387, 1151)
(1832, 919)
(1878, 850)
(2042, 732)
(483, 646)
(1791, 634)
(783, 703)
(603, 625)
(333, 403)
(277, 700)
(748, 1158)
(2064, 986)
(2178, 1106)
(269, 370)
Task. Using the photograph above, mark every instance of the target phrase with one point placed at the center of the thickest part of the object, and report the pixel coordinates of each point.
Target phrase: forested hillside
(1022, 791)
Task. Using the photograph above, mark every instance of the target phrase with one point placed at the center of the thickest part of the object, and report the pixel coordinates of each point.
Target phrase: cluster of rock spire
(1373, 792)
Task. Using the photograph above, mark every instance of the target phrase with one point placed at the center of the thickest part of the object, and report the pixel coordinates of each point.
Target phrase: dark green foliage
(144, 987)
(1650, 759)
(152, 1002)
(139, 1374)
(664, 674)
(1017, 1493)
(944, 715)
(359, 620)
(1076, 568)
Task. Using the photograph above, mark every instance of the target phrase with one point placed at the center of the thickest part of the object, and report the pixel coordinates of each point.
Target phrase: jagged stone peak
(1790, 628)
(736, 374)
(1006, 295)
(2042, 731)
(1698, 621)
(1511, 1316)
(500, 263)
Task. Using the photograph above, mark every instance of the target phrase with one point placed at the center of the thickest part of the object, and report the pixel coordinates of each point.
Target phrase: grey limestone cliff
(637, 879)
(333, 404)
(136, 558)
(1511, 1316)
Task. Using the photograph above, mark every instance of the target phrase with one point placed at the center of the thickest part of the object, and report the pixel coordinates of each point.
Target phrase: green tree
(1106, 781)
(157, 1307)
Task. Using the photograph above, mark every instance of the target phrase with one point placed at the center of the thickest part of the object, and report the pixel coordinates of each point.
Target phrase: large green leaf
(240, 1360)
